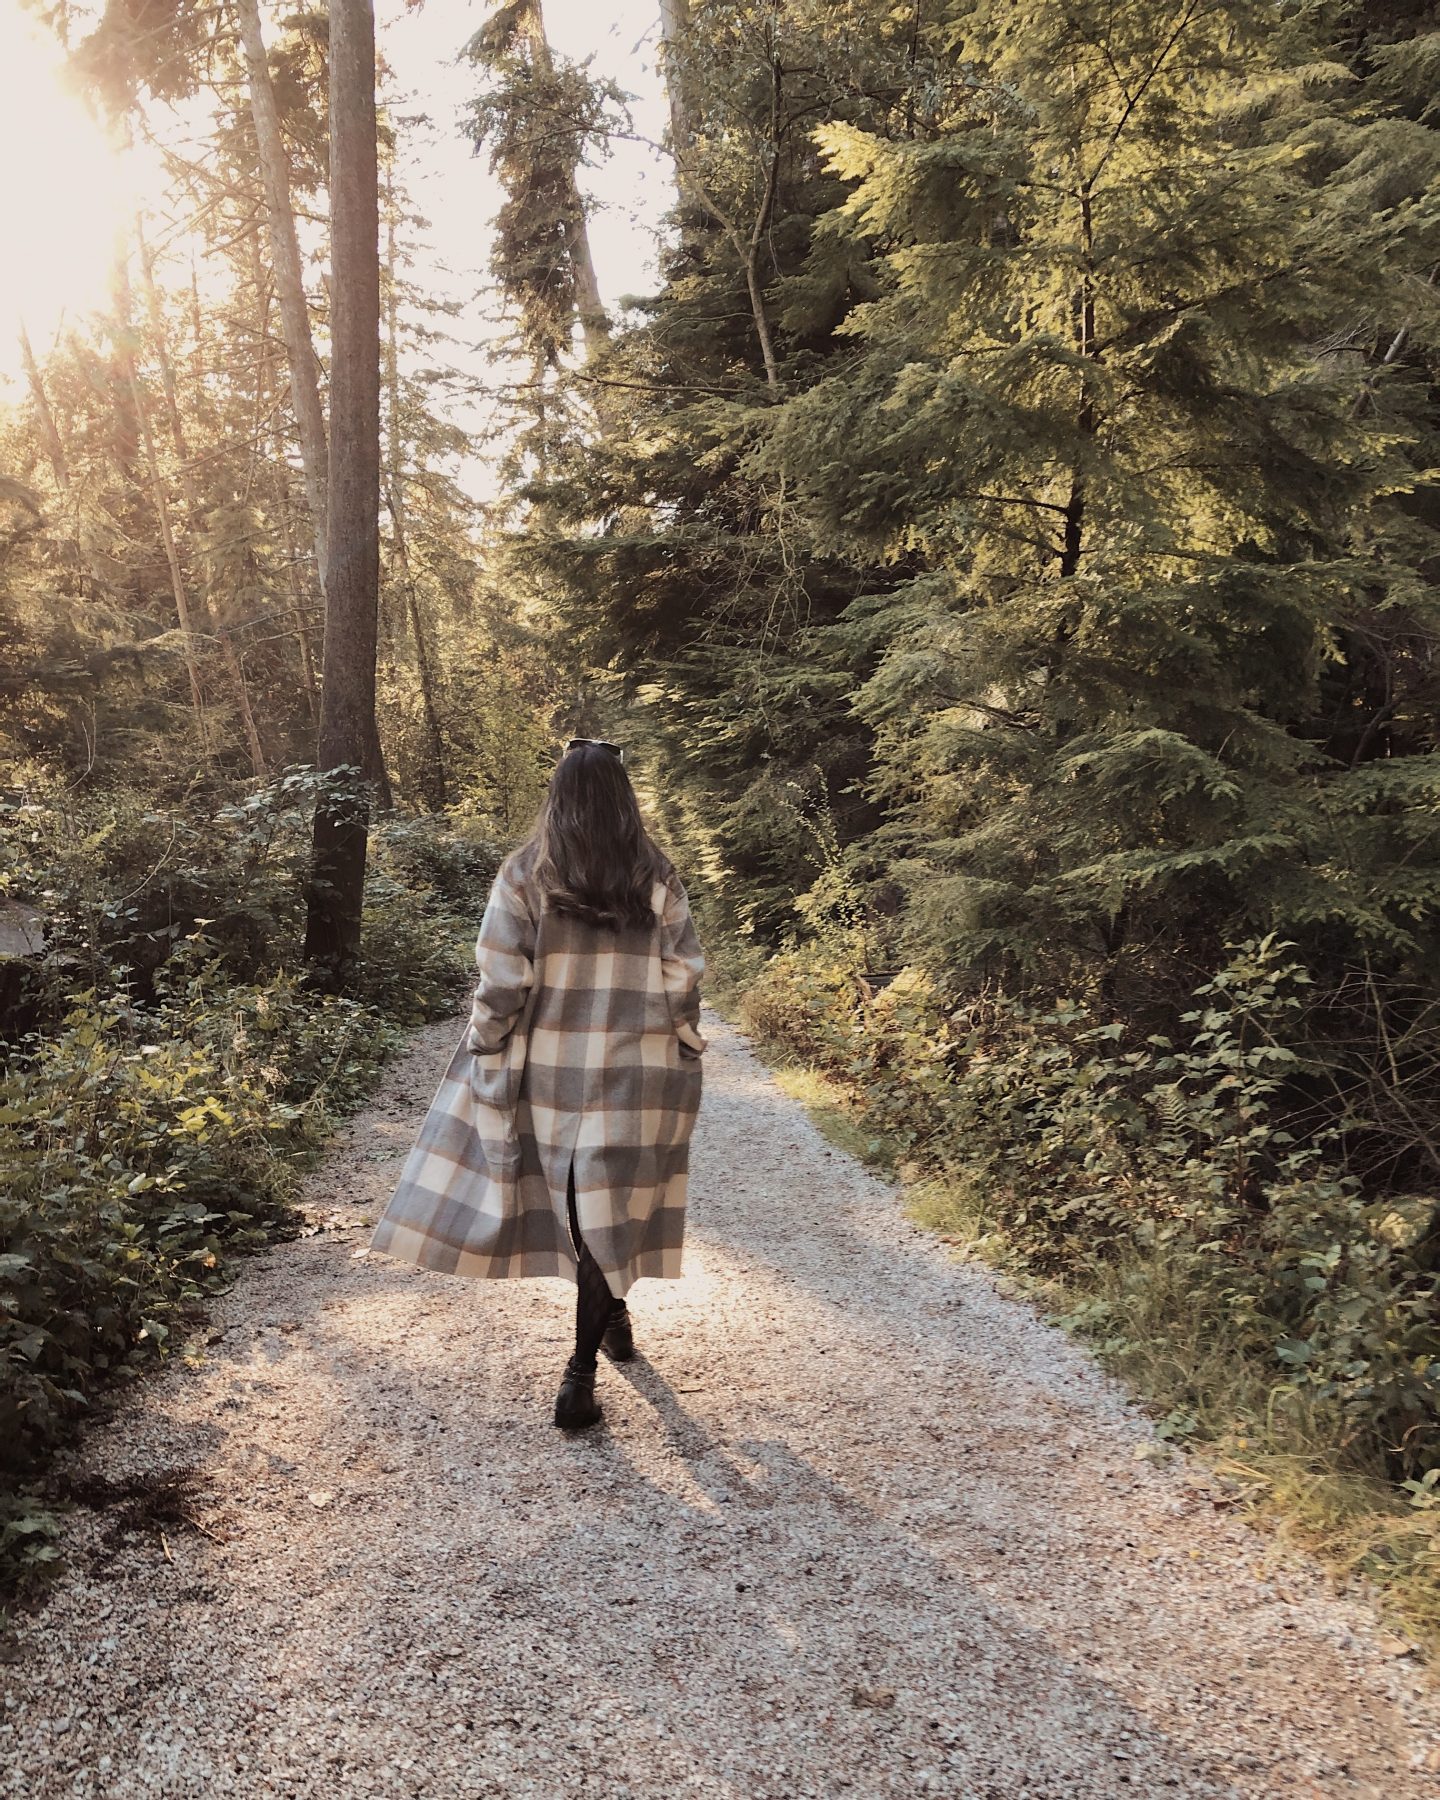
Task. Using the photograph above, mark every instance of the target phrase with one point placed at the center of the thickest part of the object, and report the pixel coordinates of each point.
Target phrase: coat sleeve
(504, 954)
(684, 965)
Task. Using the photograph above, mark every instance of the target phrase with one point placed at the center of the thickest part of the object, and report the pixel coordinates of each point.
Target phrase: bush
(423, 901)
(1086, 1143)
(169, 1064)
(413, 962)
(141, 1148)
(454, 864)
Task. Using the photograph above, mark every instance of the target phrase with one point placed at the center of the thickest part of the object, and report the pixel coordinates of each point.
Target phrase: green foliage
(170, 1069)
(424, 895)
(123, 883)
(1051, 610)
(1117, 698)
(1065, 591)
(453, 863)
(142, 1147)
(1080, 1140)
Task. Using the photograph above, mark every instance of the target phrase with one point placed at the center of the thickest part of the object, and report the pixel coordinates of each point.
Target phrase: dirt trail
(856, 1524)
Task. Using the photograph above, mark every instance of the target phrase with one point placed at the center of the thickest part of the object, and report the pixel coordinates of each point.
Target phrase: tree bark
(747, 245)
(289, 282)
(234, 666)
(301, 582)
(49, 430)
(299, 599)
(295, 321)
(674, 25)
(347, 697)
(433, 781)
(167, 538)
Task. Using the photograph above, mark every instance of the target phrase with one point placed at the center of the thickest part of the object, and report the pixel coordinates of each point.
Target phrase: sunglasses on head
(598, 743)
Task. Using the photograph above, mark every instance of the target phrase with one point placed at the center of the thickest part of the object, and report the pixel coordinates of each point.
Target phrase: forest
(1006, 541)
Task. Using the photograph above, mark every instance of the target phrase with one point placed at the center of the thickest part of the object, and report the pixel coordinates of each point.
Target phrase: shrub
(413, 961)
(423, 900)
(173, 1064)
(1086, 1143)
(452, 863)
(141, 1148)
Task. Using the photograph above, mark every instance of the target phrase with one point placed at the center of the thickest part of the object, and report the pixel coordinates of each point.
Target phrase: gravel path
(856, 1524)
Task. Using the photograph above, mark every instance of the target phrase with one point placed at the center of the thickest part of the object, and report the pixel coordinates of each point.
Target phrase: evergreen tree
(702, 601)
(1100, 400)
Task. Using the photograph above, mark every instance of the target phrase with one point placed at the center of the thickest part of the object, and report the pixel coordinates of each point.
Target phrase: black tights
(593, 1299)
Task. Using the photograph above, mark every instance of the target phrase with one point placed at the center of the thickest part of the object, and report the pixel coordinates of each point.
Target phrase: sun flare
(68, 198)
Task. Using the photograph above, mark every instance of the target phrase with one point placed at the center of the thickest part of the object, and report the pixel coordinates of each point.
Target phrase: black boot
(575, 1404)
(618, 1342)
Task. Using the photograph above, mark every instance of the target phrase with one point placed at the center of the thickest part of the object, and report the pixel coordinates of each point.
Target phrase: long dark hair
(590, 854)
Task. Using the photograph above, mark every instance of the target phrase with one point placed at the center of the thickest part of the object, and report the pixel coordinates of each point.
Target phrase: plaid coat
(583, 1044)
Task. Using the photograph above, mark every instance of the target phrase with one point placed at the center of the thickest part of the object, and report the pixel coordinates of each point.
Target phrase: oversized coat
(583, 1047)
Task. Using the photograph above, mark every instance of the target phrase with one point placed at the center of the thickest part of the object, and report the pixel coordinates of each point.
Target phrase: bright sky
(65, 193)
(631, 190)
(68, 191)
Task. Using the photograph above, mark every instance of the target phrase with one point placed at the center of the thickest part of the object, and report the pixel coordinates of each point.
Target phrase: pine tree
(1101, 403)
(702, 599)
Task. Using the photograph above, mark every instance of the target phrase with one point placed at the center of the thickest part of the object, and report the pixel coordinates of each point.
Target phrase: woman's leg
(593, 1299)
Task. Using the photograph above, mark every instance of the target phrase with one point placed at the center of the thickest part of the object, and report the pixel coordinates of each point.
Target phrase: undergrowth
(1148, 1198)
(168, 1075)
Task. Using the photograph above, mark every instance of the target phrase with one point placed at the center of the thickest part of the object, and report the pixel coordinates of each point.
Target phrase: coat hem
(531, 1265)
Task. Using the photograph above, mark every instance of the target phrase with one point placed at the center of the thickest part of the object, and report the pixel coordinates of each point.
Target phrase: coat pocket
(493, 1101)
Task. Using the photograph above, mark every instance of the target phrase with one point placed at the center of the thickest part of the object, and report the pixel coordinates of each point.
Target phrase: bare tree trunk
(434, 781)
(347, 700)
(289, 282)
(49, 430)
(674, 24)
(298, 597)
(747, 245)
(234, 667)
(759, 229)
(393, 476)
(299, 583)
(295, 321)
(74, 549)
(167, 538)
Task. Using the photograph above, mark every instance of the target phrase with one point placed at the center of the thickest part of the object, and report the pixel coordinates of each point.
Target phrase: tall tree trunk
(73, 549)
(747, 244)
(299, 599)
(230, 656)
(295, 322)
(136, 440)
(167, 537)
(347, 699)
(392, 493)
(289, 282)
(434, 782)
(300, 581)
(674, 25)
(49, 430)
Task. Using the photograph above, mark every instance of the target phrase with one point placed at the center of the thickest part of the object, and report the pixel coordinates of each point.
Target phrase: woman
(559, 1138)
